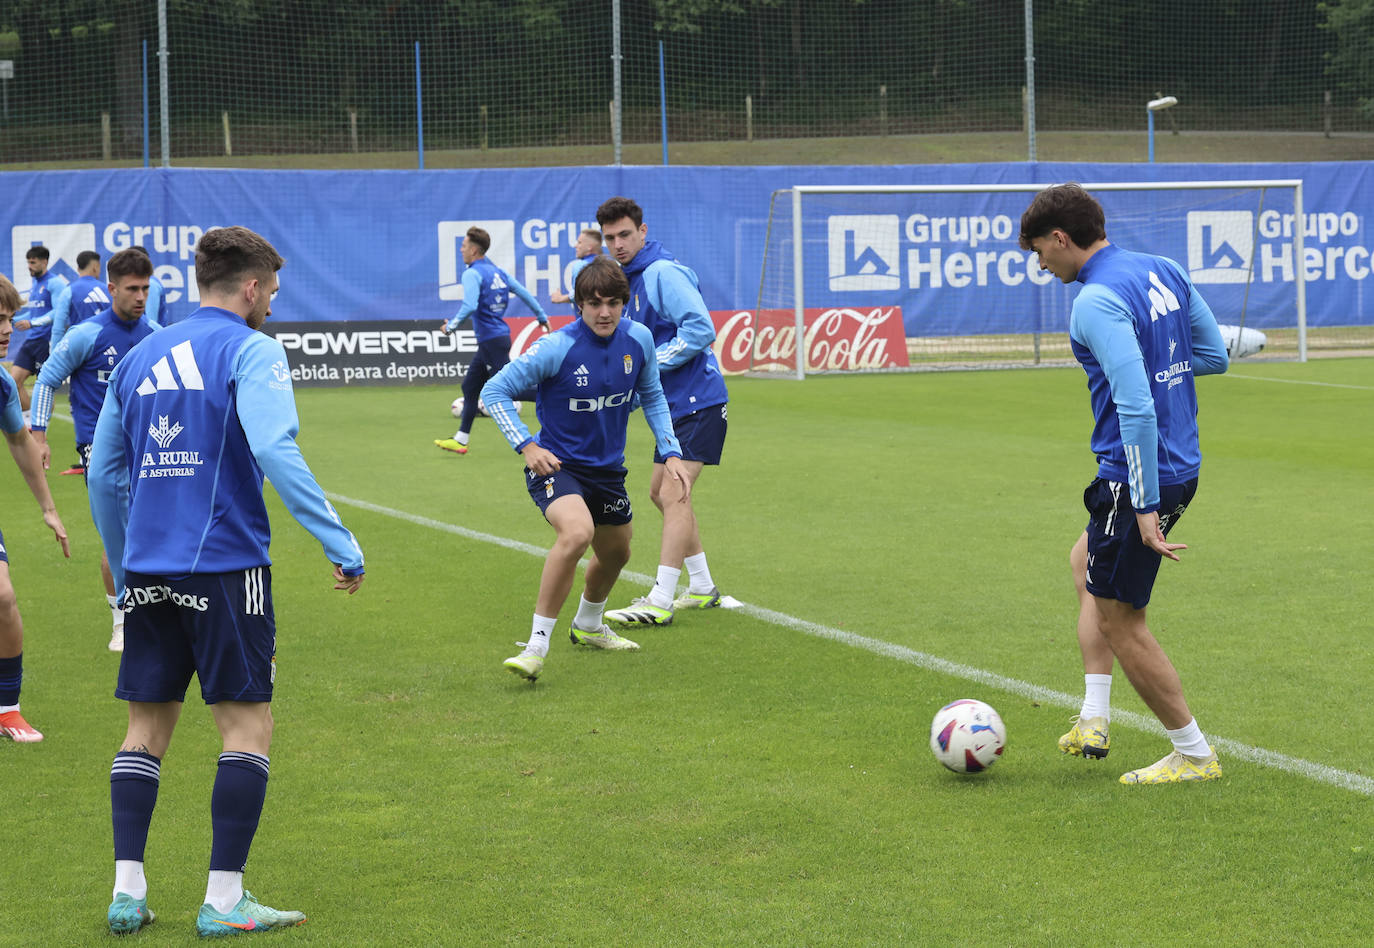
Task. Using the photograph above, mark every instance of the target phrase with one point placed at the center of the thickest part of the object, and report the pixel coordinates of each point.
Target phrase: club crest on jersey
(629, 365)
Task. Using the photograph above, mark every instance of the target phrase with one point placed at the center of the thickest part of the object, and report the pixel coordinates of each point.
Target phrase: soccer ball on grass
(967, 736)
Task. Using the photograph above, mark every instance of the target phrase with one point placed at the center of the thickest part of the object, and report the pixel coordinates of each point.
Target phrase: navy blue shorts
(1120, 565)
(701, 434)
(4, 557)
(33, 353)
(603, 491)
(217, 626)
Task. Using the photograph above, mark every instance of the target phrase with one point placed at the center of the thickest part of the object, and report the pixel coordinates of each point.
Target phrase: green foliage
(1352, 61)
(739, 781)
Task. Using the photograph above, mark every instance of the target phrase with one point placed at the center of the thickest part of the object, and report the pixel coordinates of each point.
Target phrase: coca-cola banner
(839, 339)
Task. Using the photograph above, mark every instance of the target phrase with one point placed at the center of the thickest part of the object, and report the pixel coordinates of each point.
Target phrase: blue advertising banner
(376, 246)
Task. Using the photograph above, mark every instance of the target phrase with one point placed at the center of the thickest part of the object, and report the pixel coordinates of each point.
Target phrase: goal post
(901, 277)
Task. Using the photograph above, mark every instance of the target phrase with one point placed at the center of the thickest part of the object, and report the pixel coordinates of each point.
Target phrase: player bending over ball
(586, 376)
(1141, 332)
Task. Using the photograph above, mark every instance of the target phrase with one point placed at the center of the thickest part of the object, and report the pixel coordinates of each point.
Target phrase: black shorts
(1120, 565)
(701, 434)
(603, 491)
(217, 626)
(33, 353)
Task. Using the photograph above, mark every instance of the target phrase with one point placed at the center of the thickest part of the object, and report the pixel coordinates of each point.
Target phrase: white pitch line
(1265, 378)
(1319, 773)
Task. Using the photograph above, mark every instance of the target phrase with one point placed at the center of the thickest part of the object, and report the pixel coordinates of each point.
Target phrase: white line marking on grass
(1319, 773)
(1265, 378)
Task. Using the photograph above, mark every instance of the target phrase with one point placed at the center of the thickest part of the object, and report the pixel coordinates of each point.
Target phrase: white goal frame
(800, 191)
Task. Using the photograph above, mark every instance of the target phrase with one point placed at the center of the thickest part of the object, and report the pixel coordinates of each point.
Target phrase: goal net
(889, 278)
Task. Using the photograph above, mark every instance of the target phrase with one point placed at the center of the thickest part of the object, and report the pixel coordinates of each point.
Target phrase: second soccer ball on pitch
(457, 407)
(967, 736)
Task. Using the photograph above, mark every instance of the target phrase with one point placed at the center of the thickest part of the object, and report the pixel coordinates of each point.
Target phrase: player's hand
(545, 326)
(540, 460)
(23, 323)
(675, 467)
(1153, 537)
(349, 583)
(54, 523)
(443, 326)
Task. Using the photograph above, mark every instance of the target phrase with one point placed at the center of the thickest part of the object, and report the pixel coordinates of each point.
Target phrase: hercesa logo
(864, 252)
(64, 242)
(1221, 246)
(451, 266)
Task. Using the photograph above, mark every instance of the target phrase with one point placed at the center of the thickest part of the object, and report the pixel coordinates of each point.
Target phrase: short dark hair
(37, 252)
(613, 209)
(228, 254)
(1065, 207)
(9, 297)
(604, 278)
(141, 249)
(480, 237)
(85, 258)
(129, 262)
(593, 233)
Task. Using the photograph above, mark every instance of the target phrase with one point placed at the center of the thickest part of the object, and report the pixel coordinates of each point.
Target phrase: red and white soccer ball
(967, 736)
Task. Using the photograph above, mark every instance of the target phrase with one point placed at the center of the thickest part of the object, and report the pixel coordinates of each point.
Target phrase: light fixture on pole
(1151, 107)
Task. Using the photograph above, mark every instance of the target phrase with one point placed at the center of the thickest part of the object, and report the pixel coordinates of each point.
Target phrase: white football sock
(1189, 740)
(588, 617)
(698, 573)
(461, 437)
(116, 613)
(1097, 697)
(540, 631)
(129, 879)
(665, 588)
(223, 890)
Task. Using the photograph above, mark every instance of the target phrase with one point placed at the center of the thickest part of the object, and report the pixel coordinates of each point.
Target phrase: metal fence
(199, 81)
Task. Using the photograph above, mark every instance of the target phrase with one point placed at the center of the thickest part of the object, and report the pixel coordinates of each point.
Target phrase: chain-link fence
(91, 80)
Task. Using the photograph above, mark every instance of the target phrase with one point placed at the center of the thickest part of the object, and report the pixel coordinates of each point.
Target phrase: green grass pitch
(757, 776)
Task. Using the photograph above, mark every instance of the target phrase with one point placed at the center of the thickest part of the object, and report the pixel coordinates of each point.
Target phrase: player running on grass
(195, 418)
(1141, 332)
(28, 458)
(486, 294)
(87, 355)
(665, 298)
(586, 375)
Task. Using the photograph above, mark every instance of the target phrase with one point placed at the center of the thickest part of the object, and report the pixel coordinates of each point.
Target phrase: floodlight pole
(1151, 107)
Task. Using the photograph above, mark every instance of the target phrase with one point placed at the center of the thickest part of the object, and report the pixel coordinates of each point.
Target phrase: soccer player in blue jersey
(487, 291)
(26, 456)
(1142, 333)
(157, 293)
(87, 355)
(37, 320)
(588, 249)
(85, 297)
(665, 298)
(194, 418)
(587, 375)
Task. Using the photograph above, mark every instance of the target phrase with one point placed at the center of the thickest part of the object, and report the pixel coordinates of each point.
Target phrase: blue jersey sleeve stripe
(74, 349)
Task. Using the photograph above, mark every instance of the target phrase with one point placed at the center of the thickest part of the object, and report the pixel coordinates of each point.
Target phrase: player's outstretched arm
(26, 455)
(266, 409)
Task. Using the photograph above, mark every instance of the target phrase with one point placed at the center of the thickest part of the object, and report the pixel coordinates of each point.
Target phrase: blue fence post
(147, 159)
(663, 101)
(419, 110)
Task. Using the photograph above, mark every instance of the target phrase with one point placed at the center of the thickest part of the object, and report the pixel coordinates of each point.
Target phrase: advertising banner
(379, 247)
